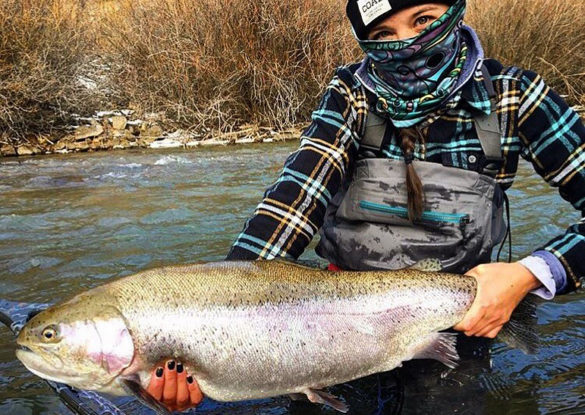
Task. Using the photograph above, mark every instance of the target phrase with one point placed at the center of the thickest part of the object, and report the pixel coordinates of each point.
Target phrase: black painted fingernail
(171, 365)
(189, 379)
(179, 368)
(159, 372)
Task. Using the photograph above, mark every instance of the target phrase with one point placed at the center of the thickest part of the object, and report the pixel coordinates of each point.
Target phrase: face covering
(413, 77)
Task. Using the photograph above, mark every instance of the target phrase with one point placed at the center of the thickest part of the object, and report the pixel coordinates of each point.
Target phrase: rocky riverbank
(119, 130)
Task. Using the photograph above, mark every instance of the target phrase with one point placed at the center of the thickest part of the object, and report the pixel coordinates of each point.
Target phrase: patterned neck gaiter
(413, 77)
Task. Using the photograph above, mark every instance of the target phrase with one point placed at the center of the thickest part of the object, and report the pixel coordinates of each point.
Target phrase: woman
(424, 101)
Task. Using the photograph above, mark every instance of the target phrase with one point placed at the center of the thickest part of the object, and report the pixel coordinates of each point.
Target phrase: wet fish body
(248, 330)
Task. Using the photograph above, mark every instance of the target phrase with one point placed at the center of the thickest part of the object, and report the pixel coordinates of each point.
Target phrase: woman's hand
(500, 288)
(172, 386)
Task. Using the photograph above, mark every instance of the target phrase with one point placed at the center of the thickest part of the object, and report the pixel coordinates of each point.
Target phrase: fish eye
(50, 334)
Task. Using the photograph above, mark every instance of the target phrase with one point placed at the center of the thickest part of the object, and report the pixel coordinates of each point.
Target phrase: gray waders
(366, 225)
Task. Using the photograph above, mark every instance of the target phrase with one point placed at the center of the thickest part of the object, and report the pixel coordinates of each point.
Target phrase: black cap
(365, 14)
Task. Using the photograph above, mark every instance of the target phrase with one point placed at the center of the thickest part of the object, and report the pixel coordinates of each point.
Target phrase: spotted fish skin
(248, 330)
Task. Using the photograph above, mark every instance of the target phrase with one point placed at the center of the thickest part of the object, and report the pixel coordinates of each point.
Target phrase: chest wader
(366, 224)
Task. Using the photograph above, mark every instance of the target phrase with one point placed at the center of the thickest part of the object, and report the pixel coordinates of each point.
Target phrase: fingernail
(179, 368)
(159, 372)
(189, 379)
(171, 365)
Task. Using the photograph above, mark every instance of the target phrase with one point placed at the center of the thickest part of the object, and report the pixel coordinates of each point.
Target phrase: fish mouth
(23, 348)
(39, 366)
(36, 363)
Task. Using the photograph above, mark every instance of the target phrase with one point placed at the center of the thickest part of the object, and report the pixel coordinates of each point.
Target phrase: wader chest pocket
(367, 225)
(401, 213)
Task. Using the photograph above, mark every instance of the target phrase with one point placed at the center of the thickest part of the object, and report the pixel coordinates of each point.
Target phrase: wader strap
(486, 126)
(488, 131)
(374, 135)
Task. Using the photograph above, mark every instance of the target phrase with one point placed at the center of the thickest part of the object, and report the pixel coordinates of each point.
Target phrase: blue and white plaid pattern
(535, 122)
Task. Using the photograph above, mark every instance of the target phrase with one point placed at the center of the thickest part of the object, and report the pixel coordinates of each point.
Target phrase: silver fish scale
(257, 329)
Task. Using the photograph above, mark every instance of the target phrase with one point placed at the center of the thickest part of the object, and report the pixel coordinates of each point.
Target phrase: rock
(79, 146)
(124, 134)
(122, 142)
(153, 131)
(214, 142)
(7, 150)
(98, 143)
(88, 131)
(25, 150)
(119, 122)
(166, 143)
(246, 140)
(62, 144)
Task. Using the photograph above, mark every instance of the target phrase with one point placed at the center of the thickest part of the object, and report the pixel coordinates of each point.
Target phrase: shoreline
(116, 130)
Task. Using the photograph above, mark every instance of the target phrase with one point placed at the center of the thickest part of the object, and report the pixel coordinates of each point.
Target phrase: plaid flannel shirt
(535, 122)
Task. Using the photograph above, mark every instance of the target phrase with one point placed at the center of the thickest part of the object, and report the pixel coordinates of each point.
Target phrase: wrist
(526, 278)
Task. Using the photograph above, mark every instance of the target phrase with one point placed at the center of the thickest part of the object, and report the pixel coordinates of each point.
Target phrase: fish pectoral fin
(133, 388)
(318, 396)
(441, 347)
(520, 331)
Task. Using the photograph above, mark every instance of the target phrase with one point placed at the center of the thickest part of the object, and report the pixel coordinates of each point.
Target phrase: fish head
(82, 343)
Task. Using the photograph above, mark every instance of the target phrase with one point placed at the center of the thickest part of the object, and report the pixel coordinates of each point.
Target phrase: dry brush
(211, 66)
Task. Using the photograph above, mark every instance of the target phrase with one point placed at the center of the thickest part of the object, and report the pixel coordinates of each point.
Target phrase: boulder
(62, 143)
(24, 150)
(153, 131)
(79, 146)
(119, 122)
(166, 143)
(7, 150)
(88, 131)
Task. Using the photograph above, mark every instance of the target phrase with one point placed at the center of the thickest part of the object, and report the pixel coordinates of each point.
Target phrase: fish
(252, 329)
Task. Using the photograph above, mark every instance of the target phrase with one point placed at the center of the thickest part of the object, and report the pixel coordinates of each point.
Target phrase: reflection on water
(69, 223)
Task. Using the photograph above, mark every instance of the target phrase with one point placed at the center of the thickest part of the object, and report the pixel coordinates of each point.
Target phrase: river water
(71, 222)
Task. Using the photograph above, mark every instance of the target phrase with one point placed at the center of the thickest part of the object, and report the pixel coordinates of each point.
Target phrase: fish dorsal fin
(428, 265)
(308, 265)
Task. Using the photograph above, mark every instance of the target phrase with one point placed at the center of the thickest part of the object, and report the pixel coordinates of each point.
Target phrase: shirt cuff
(540, 269)
(556, 268)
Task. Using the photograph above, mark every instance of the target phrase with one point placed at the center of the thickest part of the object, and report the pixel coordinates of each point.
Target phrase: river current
(68, 223)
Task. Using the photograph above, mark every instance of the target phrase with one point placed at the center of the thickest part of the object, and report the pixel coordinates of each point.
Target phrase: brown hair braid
(408, 137)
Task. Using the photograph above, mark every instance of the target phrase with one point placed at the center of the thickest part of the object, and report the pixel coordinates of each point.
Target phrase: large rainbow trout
(247, 330)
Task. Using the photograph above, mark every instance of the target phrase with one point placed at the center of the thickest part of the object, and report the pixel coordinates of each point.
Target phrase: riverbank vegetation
(210, 67)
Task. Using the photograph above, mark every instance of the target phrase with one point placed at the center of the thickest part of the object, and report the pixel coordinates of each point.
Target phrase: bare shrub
(42, 45)
(219, 64)
(211, 66)
(546, 36)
